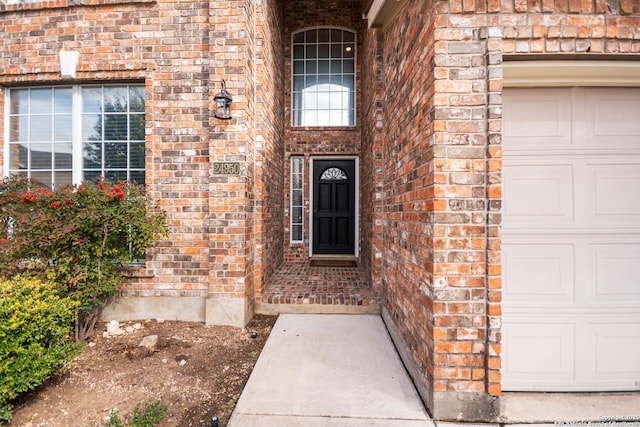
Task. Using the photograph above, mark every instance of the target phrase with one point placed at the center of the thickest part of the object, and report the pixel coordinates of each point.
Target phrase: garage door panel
(571, 240)
(617, 349)
(612, 264)
(613, 359)
(612, 192)
(536, 353)
(538, 272)
(538, 194)
(612, 117)
(543, 120)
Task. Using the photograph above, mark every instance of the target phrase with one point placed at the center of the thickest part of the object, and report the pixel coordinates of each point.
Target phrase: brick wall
(269, 183)
(165, 46)
(372, 166)
(299, 14)
(181, 51)
(441, 271)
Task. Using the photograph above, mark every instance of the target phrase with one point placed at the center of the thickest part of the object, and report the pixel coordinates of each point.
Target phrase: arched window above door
(323, 77)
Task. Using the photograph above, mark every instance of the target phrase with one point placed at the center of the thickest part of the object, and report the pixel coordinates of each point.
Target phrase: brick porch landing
(299, 288)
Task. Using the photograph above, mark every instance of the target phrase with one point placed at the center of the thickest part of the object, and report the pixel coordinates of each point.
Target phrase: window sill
(58, 4)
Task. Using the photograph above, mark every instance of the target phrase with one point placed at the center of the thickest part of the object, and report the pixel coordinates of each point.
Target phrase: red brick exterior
(427, 135)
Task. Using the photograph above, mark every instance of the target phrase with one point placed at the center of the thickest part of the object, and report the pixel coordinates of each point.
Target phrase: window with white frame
(64, 135)
(323, 83)
(297, 199)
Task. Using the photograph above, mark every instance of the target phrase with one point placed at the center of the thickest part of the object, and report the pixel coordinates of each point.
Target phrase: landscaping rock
(150, 342)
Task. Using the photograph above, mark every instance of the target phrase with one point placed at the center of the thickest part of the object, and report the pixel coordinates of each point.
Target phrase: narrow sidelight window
(297, 198)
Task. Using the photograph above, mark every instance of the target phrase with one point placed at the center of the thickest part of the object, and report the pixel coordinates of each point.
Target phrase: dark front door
(333, 206)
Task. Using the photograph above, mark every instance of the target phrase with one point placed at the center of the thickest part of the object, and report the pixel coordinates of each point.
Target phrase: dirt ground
(198, 371)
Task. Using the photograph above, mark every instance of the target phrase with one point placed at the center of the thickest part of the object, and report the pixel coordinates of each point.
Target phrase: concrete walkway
(329, 370)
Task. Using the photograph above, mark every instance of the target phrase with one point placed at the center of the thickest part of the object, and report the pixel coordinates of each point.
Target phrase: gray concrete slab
(528, 408)
(329, 370)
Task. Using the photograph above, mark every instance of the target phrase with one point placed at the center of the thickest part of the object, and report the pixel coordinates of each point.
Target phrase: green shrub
(79, 238)
(35, 336)
(149, 416)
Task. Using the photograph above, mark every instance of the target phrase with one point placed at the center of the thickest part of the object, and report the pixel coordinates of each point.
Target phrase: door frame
(356, 225)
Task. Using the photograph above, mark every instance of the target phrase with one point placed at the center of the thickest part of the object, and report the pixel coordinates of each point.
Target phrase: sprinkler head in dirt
(254, 335)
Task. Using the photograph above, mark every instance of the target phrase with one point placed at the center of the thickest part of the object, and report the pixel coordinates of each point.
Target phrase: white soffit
(382, 12)
(571, 73)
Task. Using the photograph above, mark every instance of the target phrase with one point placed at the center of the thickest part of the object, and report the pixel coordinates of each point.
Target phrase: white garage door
(571, 239)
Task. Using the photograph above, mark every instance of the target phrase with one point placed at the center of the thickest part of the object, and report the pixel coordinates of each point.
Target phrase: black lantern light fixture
(223, 101)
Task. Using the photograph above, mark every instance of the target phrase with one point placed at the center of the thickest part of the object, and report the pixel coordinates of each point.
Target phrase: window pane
(298, 83)
(312, 67)
(115, 155)
(338, 118)
(115, 176)
(296, 215)
(348, 66)
(115, 127)
(91, 176)
(136, 157)
(19, 129)
(296, 232)
(298, 37)
(298, 52)
(41, 156)
(62, 178)
(92, 155)
(136, 124)
(137, 96)
(298, 67)
(19, 101)
(323, 51)
(323, 67)
(63, 100)
(323, 35)
(62, 128)
(311, 51)
(40, 128)
(336, 51)
(41, 101)
(62, 155)
(115, 99)
(91, 127)
(349, 51)
(312, 36)
(92, 100)
(19, 156)
(336, 35)
(42, 178)
(137, 177)
(324, 118)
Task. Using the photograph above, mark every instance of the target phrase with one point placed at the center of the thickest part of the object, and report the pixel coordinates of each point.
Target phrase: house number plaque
(226, 168)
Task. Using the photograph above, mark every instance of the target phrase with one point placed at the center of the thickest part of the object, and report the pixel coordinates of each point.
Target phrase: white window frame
(77, 167)
(292, 188)
(293, 74)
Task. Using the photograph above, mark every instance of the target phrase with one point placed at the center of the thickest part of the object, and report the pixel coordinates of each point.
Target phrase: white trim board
(571, 73)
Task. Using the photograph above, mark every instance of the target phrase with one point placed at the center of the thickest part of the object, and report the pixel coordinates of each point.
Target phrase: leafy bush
(35, 332)
(77, 237)
(149, 416)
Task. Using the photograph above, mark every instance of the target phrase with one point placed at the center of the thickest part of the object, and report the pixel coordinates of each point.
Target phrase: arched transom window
(323, 77)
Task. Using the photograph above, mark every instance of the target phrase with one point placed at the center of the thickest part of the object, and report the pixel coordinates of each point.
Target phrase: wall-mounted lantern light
(223, 101)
